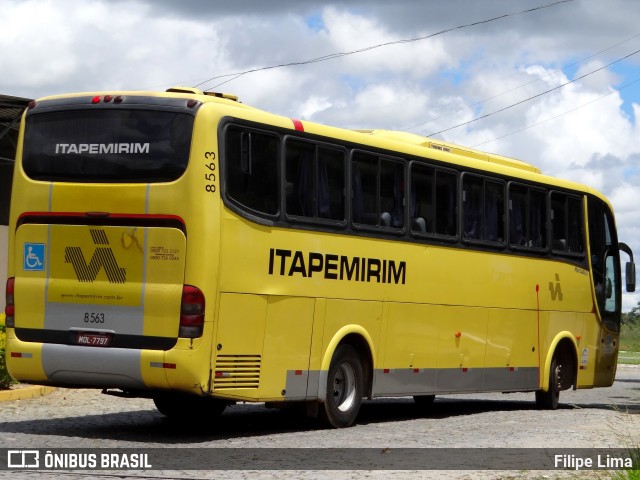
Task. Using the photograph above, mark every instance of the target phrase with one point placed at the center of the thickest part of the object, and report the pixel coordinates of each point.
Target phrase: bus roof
(381, 136)
(426, 142)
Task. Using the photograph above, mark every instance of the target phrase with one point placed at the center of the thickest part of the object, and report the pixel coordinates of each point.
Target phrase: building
(11, 109)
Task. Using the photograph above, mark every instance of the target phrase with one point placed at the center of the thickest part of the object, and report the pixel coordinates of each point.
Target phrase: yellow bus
(185, 247)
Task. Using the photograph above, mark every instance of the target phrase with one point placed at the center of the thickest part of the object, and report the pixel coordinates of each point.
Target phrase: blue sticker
(34, 257)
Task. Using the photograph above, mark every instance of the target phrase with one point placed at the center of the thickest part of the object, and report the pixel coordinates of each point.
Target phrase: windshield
(605, 261)
(107, 145)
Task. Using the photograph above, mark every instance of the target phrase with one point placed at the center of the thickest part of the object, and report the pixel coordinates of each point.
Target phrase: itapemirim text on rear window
(109, 146)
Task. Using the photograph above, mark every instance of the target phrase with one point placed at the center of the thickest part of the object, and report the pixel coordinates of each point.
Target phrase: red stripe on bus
(298, 125)
(102, 214)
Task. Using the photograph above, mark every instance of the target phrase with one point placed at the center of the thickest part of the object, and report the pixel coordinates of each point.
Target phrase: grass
(630, 337)
(630, 344)
(629, 358)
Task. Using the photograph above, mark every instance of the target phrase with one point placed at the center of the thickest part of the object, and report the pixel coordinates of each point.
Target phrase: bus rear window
(107, 146)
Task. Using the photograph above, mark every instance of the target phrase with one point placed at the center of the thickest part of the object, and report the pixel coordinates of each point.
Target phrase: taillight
(10, 310)
(191, 312)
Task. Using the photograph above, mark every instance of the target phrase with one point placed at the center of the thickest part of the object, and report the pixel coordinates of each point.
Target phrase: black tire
(189, 407)
(345, 387)
(549, 400)
(424, 400)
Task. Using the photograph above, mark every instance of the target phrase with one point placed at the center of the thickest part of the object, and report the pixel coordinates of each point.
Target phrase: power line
(615, 90)
(479, 102)
(487, 115)
(332, 56)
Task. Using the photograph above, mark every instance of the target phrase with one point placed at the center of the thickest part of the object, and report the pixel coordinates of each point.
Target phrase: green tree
(632, 317)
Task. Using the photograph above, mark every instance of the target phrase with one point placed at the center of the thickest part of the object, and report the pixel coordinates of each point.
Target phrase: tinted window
(483, 210)
(105, 145)
(314, 178)
(494, 212)
(378, 191)
(365, 189)
(472, 205)
(433, 202)
(446, 204)
(566, 224)
(252, 169)
(527, 217)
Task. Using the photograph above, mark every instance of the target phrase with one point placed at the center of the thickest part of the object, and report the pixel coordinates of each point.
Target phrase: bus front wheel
(549, 400)
(345, 386)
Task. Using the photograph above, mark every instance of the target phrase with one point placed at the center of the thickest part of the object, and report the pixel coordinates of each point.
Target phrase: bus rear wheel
(182, 406)
(549, 400)
(345, 386)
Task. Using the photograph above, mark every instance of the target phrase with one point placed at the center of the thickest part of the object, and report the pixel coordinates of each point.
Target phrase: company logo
(101, 148)
(556, 289)
(33, 257)
(23, 459)
(102, 257)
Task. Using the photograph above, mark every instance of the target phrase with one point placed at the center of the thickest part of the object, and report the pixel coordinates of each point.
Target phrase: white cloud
(314, 105)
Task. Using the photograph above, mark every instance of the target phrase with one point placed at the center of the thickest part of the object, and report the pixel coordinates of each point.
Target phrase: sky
(547, 82)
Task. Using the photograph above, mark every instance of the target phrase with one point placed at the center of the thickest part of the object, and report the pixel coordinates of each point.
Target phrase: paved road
(596, 418)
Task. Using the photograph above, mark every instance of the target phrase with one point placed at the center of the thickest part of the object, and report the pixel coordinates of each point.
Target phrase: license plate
(94, 339)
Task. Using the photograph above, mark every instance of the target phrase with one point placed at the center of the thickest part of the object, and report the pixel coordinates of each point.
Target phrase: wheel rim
(557, 378)
(344, 387)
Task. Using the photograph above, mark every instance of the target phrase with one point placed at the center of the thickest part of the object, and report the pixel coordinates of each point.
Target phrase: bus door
(607, 280)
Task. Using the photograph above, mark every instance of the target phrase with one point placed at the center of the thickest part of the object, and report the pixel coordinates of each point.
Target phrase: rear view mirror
(631, 277)
(631, 268)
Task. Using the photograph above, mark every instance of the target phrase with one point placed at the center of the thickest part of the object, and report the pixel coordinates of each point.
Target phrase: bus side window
(482, 210)
(300, 178)
(314, 181)
(558, 222)
(365, 189)
(537, 219)
(517, 215)
(391, 194)
(567, 224)
(331, 184)
(494, 212)
(575, 225)
(421, 203)
(252, 169)
(472, 199)
(446, 206)
(527, 217)
(378, 191)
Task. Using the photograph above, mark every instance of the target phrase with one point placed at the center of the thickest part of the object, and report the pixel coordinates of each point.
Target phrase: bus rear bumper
(84, 366)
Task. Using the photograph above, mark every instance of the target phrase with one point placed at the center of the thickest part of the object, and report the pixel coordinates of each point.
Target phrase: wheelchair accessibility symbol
(34, 257)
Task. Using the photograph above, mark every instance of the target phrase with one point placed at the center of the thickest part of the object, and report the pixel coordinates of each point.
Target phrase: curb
(25, 393)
